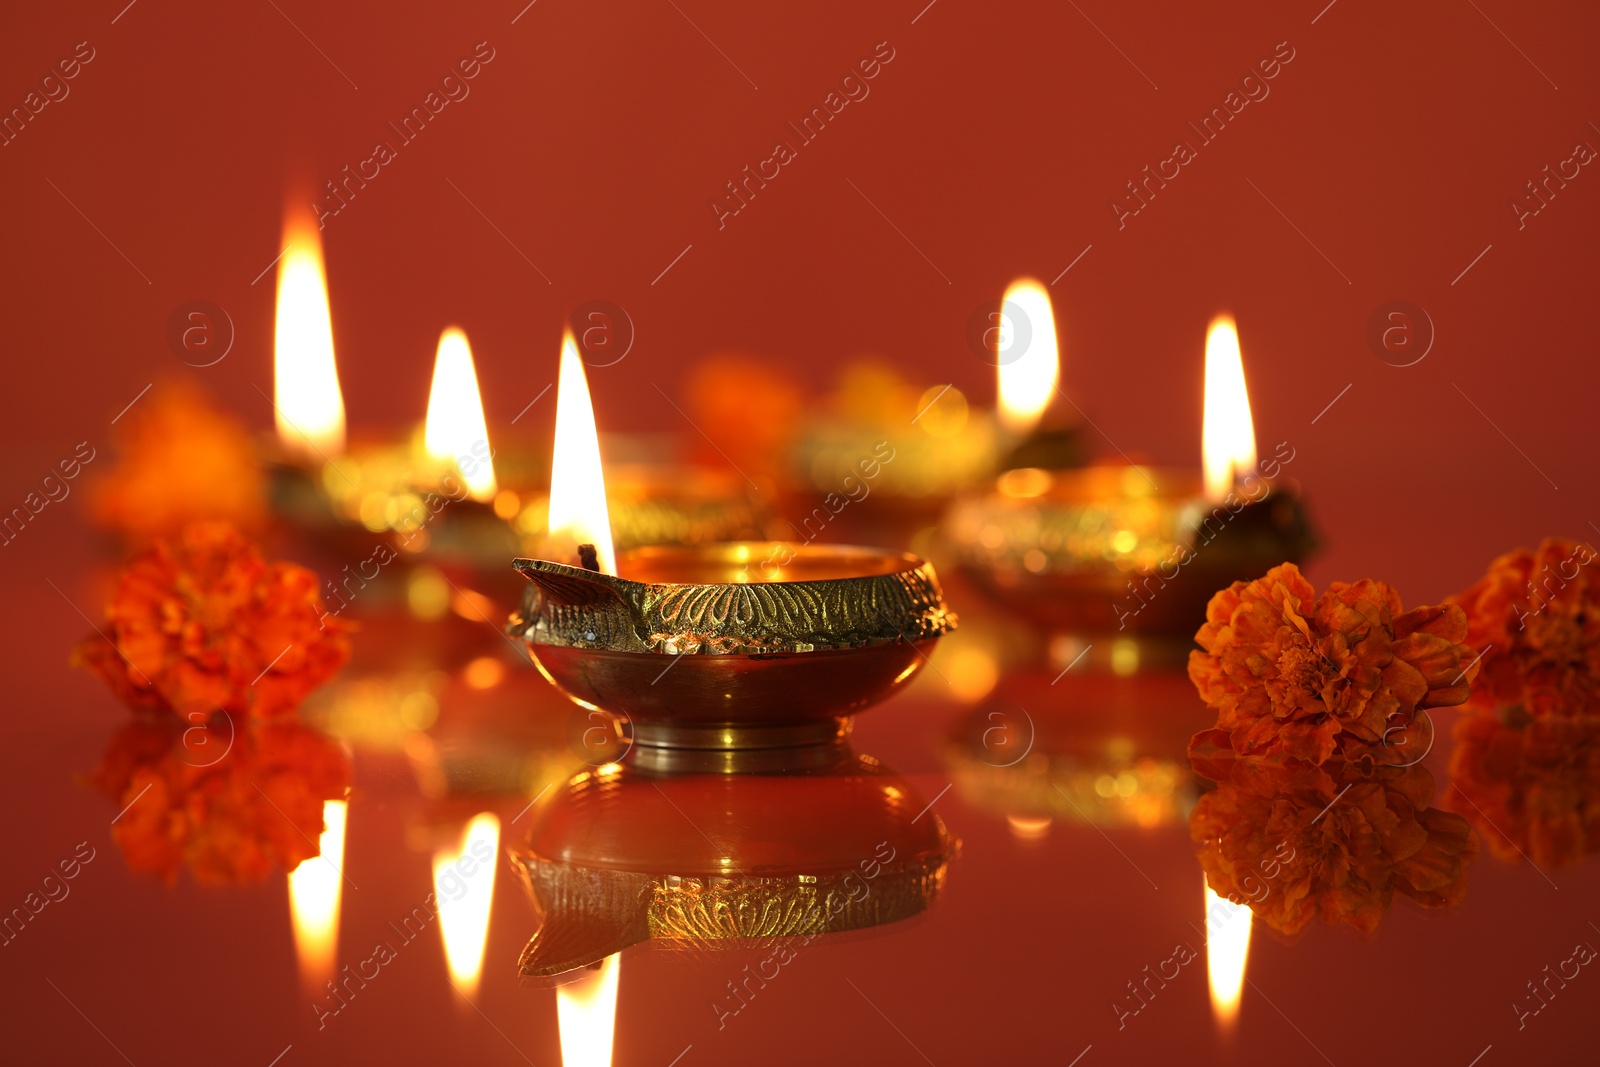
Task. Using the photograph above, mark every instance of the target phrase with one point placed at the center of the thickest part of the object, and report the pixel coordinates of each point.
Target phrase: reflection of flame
(1027, 381)
(455, 431)
(1029, 827)
(586, 1014)
(1227, 434)
(578, 512)
(314, 889)
(306, 380)
(464, 913)
(1227, 948)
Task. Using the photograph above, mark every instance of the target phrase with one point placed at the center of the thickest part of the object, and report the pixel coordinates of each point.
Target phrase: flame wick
(309, 404)
(456, 432)
(1027, 355)
(578, 512)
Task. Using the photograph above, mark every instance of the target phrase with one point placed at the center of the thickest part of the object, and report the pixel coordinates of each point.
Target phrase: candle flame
(1227, 949)
(455, 432)
(1028, 357)
(578, 513)
(465, 900)
(586, 1015)
(314, 891)
(310, 407)
(1227, 434)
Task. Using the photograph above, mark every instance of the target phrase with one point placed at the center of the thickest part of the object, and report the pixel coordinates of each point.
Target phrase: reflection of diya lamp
(1134, 550)
(1088, 748)
(729, 646)
(727, 859)
(733, 646)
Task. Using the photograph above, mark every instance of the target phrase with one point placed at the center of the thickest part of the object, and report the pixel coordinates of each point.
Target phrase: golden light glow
(586, 1015)
(463, 886)
(1227, 434)
(1029, 827)
(578, 513)
(1028, 374)
(455, 432)
(314, 890)
(310, 407)
(1227, 949)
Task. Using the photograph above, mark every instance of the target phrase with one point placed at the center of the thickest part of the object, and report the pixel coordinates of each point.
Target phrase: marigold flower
(202, 623)
(1296, 675)
(1296, 841)
(1535, 618)
(1530, 786)
(180, 460)
(232, 802)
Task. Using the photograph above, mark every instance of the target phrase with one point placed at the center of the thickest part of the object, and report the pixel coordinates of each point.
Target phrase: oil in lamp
(1135, 552)
(725, 647)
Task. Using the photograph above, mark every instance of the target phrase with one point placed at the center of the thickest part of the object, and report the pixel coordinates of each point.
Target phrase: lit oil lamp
(832, 842)
(1036, 431)
(720, 646)
(1131, 551)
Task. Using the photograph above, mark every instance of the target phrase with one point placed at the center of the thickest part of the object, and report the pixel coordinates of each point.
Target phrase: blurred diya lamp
(724, 646)
(1133, 550)
(733, 646)
(658, 504)
(886, 460)
(830, 844)
(1020, 337)
(1087, 748)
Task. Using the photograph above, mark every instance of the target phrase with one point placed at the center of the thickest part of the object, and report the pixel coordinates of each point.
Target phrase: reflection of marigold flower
(1532, 787)
(203, 622)
(1538, 616)
(232, 807)
(1296, 841)
(180, 460)
(1291, 674)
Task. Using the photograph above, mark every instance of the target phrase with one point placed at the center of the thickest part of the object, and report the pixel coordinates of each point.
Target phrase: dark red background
(1395, 142)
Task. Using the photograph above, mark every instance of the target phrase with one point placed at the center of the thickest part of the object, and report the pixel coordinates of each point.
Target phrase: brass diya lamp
(1133, 552)
(726, 646)
(736, 646)
(820, 840)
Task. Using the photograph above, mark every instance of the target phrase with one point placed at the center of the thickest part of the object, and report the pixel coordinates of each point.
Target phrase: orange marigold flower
(1296, 675)
(180, 460)
(1531, 786)
(231, 804)
(1535, 617)
(201, 623)
(1295, 841)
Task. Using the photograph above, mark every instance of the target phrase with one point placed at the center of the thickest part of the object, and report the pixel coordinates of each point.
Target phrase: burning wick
(589, 558)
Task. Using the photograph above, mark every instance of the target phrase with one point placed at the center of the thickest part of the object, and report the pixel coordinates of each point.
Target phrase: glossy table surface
(1028, 954)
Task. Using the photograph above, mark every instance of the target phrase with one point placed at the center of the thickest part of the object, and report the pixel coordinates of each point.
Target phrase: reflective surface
(1072, 922)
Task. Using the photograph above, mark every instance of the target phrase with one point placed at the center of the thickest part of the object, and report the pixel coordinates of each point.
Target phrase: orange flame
(1227, 949)
(578, 513)
(1227, 433)
(310, 406)
(314, 890)
(586, 1015)
(466, 898)
(455, 432)
(1028, 356)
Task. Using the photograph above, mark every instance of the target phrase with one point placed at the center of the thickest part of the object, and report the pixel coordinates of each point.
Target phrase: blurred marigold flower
(201, 623)
(1535, 618)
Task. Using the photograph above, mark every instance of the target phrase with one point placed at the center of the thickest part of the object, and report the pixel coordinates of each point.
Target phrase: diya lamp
(830, 842)
(1034, 429)
(1133, 553)
(724, 647)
